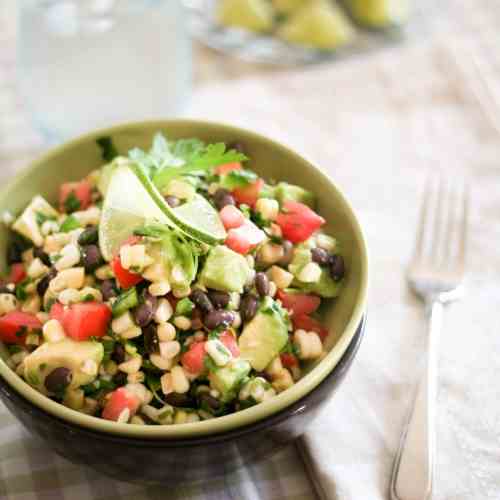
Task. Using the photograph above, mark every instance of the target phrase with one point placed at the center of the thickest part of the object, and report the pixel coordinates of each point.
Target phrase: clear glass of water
(85, 64)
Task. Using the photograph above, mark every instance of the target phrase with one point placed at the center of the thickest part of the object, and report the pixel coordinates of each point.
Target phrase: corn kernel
(69, 296)
(37, 268)
(164, 311)
(270, 253)
(166, 332)
(159, 288)
(122, 323)
(104, 272)
(133, 365)
(69, 257)
(8, 303)
(282, 381)
(169, 350)
(131, 333)
(160, 362)
(267, 208)
(180, 383)
(32, 305)
(310, 273)
(282, 278)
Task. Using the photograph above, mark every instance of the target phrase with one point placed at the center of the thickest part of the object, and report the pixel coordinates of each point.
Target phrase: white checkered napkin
(29, 470)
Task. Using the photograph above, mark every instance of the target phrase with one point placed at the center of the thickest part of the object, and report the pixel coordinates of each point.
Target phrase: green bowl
(342, 316)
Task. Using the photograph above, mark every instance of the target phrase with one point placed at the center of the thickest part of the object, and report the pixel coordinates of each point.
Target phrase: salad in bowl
(168, 286)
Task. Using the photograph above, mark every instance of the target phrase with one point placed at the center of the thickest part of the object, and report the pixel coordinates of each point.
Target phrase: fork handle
(412, 474)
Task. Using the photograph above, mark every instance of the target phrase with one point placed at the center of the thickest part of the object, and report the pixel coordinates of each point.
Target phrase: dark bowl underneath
(149, 461)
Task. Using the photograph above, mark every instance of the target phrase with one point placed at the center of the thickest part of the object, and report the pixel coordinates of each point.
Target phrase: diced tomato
(242, 239)
(299, 303)
(84, 320)
(249, 194)
(120, 400)
(231, 217)
(81, 190)
(229, 340)
(298, 221)
(125, 278)
(193, 359)
(304, 322)
(15, 325)
(17, 273)
(289, 360)
(228, 167)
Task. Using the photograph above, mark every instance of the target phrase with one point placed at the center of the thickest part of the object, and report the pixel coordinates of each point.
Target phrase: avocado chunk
(319, 24)
(228, 378)
(253, 15)
(225, 270)
(290, 192)
(265, 335)
(29, 222)
(68, 354)
(324, 287)
(379, 13)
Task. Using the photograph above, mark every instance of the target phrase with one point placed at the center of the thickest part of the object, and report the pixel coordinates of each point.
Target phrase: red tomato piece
(193, 359)
(298, 221)
(81, 190)
(84, 320)
(228, 167)
(120, 400)
(17, 273)
(289, 360)
(304, 322)
(242, 239)
(249, 194)
(231, 217)
(125, 278)
(15, 325)
(299, 303)
(229, 340)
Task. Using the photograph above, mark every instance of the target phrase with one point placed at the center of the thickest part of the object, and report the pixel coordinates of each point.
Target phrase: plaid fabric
(30, 471)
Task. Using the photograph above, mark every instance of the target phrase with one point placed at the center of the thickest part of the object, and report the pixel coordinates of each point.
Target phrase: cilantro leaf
(70, 223)
(108, 149)
(237, 178)
(71, 203)
(41, 218)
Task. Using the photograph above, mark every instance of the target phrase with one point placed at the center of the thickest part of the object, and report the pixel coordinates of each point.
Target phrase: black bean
(237, 146)
(145, 311)
(209, 400)
(91, 257)
(143, 314)
(287, 253)
(120, 378)
(248, 307)
(179, 400)
(43, 284)
(38, 252)
(14, 253)
(108, 289)
(218, 318)
(320, 256)
(151, 341)
(219, 299)
(172, 201)
(200, 298)
(262, 284)
(337, 267)
(58, 379)
(118, 354)
(89, 236)
(222, 197)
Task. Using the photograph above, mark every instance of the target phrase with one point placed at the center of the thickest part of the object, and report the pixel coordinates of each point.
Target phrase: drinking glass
(84, 64)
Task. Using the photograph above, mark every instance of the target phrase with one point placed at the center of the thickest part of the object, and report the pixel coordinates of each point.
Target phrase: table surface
(378, 123)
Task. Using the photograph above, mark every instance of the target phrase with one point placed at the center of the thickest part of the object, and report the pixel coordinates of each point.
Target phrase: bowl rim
(242, 417)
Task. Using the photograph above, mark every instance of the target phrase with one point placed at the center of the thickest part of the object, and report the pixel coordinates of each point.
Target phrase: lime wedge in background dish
(196, 218)
(253, 15)
(127, 206)
(319, 24)
(287, 6)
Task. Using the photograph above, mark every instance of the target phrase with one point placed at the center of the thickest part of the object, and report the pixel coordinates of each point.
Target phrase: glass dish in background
(84, 64)
(266, 48)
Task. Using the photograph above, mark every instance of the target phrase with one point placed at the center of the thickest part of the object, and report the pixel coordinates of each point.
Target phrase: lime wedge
(196, 218)
(127, 206)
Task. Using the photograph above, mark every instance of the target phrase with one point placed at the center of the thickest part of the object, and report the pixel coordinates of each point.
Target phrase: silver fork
(435, 274)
